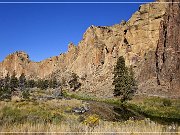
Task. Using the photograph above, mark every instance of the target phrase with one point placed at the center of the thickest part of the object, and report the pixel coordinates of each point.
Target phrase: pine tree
(31, 83)
(1, 83)
(125, 85)
(13, 81)
(22, 81)
(5, 90)
(1, 93)
(26, 94)
(39, 83)
(5, 93)
(7, 81)
(43, 84)
(73, 83)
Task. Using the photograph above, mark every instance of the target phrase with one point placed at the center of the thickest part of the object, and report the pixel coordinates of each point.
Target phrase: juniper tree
(43, 84)
(73, 83)
(123, 81)
(23, 87)
(22, 81)
(5, 90)
(31, 83)
(131, 86)
(1, 83)
(1, 93)
(5, 93)
(13, 81)
(6, 82)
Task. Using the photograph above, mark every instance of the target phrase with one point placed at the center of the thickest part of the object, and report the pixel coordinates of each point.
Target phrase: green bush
(5, 93)
(10, 115)
(26, 94)
(167, 102)
(157, 107)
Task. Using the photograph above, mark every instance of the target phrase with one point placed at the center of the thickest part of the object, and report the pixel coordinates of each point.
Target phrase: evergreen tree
(5, 91)
(7, 81)
(13, 81)
(73, 83)
(125, 85)
(25, 94)
(22, 81)
(1, 83)
(31, 83)
(43, 84)
(39, 83)
(1, 93)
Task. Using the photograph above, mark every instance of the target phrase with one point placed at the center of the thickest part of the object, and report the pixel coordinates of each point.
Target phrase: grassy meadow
(56, 116)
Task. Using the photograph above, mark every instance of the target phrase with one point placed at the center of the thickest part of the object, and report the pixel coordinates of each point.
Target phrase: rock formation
(149, 41)
(160, 73)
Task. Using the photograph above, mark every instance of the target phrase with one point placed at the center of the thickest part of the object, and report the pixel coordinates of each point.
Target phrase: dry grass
(129, 127)
(70, 122)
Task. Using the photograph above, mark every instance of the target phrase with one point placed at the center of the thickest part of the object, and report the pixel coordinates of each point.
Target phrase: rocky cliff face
(144, 40)
(160, 73)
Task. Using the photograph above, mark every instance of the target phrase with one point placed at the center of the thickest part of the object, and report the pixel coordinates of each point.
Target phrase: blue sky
(44, 30)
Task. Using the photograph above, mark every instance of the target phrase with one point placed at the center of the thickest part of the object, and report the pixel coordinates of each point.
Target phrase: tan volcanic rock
(14, 62)
(160, 73)
(101, 46)
(94, 57)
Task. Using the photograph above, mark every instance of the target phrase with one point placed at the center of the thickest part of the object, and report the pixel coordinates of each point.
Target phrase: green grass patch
(158, 108)
(28, 112)
(150, 106)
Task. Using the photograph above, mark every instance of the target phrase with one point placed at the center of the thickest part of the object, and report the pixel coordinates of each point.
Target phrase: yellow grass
(70, 123)
(136, 127)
